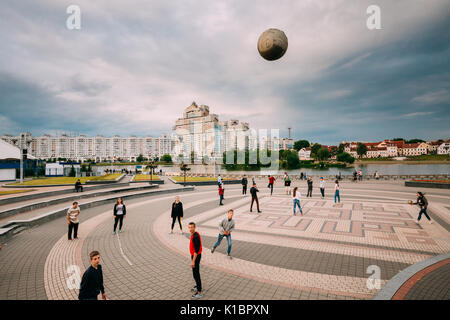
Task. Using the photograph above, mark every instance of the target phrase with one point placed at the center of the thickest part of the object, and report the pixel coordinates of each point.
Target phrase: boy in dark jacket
(92, 281)
(177, 213)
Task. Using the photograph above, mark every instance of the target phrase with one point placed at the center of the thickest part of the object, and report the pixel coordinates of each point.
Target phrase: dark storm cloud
(134, 67)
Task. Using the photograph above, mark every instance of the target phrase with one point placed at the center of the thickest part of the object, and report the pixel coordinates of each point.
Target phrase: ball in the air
(272, 44)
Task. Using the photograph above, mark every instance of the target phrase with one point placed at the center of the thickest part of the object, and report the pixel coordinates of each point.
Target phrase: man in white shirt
(322, 187)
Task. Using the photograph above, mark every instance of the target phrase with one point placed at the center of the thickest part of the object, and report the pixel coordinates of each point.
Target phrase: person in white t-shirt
(322, 187)
(336, 192)
(296, 198)
(72, 220)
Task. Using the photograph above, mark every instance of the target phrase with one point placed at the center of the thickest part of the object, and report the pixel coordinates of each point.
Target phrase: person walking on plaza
(253, 192)
(296, 198)
(220, 195)
(422, 202)
(360, 175)
(354, 176)
(301, 175)
(225, 228)
(195, 249)
(336, 192)
(244, 183)
(377, 175)
(340, 175)
(310, 187)
(92, 282)
(119, 213)
(219, 180)
(271, 182)
(287, 183)
(72, 220)
(177, 213)
(78, 186)
(322, 187)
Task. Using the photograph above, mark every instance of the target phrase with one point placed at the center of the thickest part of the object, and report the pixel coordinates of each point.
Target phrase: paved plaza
(330, 252)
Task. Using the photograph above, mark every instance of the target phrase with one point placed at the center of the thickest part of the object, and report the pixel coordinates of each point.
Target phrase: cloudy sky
(134, 66)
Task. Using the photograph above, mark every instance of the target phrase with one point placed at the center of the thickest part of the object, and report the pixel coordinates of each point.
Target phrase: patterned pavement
(324, 254)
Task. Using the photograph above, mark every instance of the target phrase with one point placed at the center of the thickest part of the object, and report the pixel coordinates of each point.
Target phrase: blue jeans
(219, 240)
(423, 211)
(297, 202)
(221, 198)
(336, 195)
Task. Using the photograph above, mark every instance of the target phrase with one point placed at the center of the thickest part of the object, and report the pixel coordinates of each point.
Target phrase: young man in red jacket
(221, 195)
(195, 249)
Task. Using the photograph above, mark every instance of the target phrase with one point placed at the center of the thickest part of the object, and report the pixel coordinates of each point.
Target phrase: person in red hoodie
(221, 194)
(195, 249)
(271, 182)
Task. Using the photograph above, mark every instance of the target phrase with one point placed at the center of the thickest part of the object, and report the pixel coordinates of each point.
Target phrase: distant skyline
(134, 66)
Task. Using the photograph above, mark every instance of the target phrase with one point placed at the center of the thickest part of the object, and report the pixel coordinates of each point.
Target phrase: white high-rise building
(202, 134)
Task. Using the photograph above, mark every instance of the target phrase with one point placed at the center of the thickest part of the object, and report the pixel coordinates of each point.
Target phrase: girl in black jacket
(119, 213)
(422, 202)
(177, 213)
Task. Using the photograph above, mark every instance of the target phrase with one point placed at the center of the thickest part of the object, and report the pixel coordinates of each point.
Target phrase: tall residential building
(200, 132)
(98, 148)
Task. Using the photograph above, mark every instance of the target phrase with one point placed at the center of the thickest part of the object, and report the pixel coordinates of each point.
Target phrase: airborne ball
(272, 44)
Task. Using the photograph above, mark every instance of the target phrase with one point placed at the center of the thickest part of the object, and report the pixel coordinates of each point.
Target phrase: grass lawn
(145, 177)
(195, 179)
(66, 180)
(2, 193)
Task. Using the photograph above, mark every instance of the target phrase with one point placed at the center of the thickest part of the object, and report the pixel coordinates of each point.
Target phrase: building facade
(98, 148)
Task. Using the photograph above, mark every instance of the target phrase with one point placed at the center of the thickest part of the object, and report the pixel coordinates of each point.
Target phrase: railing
(326, 177)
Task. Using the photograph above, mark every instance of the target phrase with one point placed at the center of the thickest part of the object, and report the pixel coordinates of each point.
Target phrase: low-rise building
(444, 148)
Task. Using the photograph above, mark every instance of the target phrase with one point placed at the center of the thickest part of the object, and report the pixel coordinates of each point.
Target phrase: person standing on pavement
(72, 220)
(310, 187)
(296, 198)
(220, 195)
(119, 213)
(177, 213)
(225, 228)
(422, 202)
(336, 192)
(219, 180)
(287, 183)
(244, 183)
(322, 187)
(92, 281)
(271, 182)
(253, 192)
(195, 249)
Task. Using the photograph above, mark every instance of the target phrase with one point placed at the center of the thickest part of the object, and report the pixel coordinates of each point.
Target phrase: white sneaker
(417, 221)
(430, 221)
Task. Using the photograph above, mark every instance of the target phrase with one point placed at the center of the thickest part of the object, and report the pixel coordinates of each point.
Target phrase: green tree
(323, 154)
(398, 139)
(314, 149)
(414, 141)
(361, 149)
(298, 145)
(72, 172)
(184, 168)
(140, 158)
(345, 157)
(166, 158)
(341, 148)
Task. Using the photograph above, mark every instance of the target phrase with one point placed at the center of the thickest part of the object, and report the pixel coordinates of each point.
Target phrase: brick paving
(275, 257)
(433, 286)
